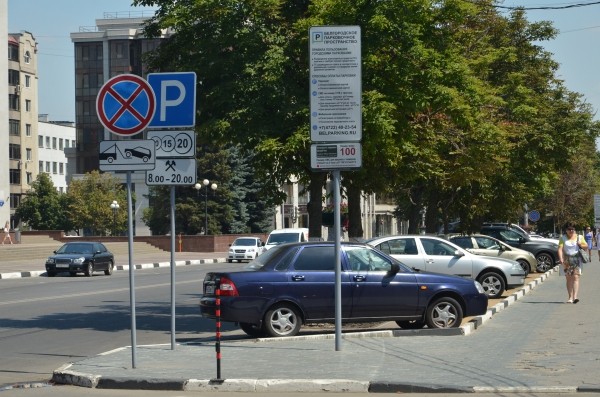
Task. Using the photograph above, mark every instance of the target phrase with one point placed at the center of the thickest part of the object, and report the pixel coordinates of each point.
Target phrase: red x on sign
(125, 104)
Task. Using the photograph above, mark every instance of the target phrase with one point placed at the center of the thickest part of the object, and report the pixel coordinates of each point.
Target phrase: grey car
(435, 254)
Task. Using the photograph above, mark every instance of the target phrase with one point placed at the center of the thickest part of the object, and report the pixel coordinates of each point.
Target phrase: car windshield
(244, 242)
(282, 238)
(75, 249)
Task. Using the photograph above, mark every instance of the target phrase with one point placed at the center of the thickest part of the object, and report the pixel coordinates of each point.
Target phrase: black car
(80, 257)
(545, 252)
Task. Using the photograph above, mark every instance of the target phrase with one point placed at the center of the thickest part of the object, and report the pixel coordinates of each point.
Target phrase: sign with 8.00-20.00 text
(335, 84)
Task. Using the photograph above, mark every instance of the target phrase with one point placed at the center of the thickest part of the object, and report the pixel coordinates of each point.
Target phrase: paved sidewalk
(531, 342)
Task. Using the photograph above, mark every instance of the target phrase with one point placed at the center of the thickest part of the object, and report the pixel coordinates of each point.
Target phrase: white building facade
(54, 140)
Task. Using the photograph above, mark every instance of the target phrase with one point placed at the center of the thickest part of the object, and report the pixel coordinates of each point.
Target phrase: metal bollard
(218, 330)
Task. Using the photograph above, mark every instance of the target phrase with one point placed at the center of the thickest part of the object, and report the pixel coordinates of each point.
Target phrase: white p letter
(164, 103)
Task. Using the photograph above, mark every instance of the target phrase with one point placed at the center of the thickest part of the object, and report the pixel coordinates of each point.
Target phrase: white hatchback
(245, 249)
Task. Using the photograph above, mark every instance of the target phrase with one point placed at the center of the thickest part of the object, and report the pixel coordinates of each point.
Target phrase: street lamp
(198, 186)
(115, 207)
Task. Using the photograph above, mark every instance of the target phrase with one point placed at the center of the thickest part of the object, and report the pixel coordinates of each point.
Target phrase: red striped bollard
(218, 329)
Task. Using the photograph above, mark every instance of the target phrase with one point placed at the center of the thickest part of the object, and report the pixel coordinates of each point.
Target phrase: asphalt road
(46, 322)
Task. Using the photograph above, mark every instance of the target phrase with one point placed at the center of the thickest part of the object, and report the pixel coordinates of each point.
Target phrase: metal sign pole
(172, 267)
(131, 269)
(338, 271)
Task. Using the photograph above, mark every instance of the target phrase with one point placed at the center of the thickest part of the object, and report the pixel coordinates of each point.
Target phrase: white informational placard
(335, 156)
(172, 172)
(335, 84)
(129, 155)
(174, 144)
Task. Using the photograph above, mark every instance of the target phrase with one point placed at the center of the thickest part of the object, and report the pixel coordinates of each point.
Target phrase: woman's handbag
(583, 254)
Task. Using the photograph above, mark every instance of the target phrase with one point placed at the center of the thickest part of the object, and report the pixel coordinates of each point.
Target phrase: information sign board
(129, 155)
(172, 172)
(174, 144)
(335, 84)
(335, 156)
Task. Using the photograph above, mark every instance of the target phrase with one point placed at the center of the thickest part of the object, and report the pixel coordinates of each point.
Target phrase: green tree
(43, 208)
(89, 203)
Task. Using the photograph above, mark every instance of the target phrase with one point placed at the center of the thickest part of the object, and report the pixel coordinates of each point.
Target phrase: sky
(52, 21)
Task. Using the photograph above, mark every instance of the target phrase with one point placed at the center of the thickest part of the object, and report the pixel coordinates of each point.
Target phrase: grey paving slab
(537, 343)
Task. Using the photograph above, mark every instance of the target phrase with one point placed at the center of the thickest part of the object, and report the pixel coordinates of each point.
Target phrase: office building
(22, 117)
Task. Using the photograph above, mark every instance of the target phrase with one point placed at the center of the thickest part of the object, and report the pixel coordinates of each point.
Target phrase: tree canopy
(463, 113)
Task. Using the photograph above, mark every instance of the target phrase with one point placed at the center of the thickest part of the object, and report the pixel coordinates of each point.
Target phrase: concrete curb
(42, 273)
(65, 376)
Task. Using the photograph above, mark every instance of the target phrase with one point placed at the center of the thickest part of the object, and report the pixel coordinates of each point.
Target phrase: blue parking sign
(175, 99)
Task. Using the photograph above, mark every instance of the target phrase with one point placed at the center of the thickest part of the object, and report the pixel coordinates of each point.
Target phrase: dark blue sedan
(294, 284)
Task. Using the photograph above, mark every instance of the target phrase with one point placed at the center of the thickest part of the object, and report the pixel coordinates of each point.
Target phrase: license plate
(210, 289)
(62, 265)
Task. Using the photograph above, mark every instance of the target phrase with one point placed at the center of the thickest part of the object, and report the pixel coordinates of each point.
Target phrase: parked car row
(414, 280)
(293, 284)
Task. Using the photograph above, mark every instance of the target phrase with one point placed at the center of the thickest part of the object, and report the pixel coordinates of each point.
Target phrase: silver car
(434, 254)
(480, 244)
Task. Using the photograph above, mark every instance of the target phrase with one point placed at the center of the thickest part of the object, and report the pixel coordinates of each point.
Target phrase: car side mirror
(394, 269)
(522, 240)
(459, 253)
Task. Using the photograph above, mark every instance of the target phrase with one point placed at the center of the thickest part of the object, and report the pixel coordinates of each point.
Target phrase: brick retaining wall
(183, 243)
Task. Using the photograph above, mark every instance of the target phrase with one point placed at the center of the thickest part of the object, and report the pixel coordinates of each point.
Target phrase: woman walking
(589, 240)
(7, 233)
(568, 255)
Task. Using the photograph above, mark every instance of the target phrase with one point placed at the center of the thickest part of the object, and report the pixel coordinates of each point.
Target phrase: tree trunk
(315, 205)
(355, 229)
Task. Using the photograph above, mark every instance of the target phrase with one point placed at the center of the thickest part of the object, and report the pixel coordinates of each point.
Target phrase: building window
(27, 57)
(28, 154)
(73, 143)
(13, 102)
(61, 168)
(28, 129)
(41, 141)
(54, 167)
(53, 142)
(14, 151)
(66, 143)
(41, 166)
(60, 144)
(14, 127)
(28, 105)
(15, 200)
(29, 178)
(15, 176)
(27, 80)
(47, 167)
(48, 142)
(13, 77)
(13, 53)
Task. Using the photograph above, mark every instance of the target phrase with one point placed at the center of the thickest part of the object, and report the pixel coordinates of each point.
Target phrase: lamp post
(198, 186)
(115, 207)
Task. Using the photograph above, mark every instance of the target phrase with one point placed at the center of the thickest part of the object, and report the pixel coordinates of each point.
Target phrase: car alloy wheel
(89, 269)
(444, 312)
(109, 269)
(545, 262)
(493, 284)
(525, 266)
(282, 320)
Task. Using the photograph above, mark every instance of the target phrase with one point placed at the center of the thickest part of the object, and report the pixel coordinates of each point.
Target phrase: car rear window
(316, 259)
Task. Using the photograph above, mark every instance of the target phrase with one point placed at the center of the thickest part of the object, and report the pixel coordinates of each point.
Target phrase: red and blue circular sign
(125, 104)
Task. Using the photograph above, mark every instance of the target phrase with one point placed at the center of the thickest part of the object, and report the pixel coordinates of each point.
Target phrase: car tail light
(227, 287)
